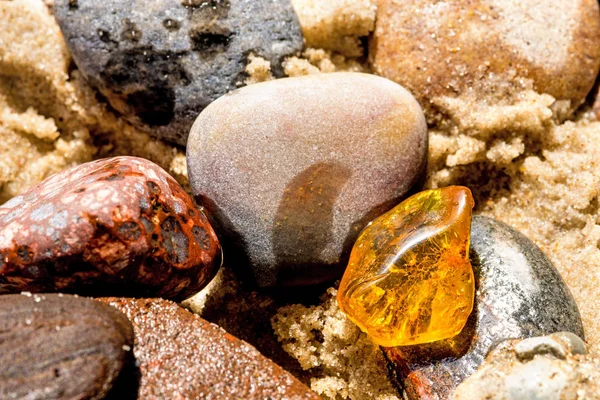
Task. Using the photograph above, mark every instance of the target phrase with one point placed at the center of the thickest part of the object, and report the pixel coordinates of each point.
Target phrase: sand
(523, 168)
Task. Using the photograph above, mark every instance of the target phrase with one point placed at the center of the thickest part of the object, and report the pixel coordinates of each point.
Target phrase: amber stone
(409, 279)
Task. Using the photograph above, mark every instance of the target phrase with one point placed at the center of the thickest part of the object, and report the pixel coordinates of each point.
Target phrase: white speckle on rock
(14, 202)
(42, 212)
(59, 221)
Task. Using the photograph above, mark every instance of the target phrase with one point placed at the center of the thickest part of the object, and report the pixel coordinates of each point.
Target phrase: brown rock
(119, 225)
(182, 356)
(61, 347)
(453, 47)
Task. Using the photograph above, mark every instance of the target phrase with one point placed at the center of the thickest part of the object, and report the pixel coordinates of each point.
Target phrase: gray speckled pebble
(160, 62)
(295, 168)
(520, 294)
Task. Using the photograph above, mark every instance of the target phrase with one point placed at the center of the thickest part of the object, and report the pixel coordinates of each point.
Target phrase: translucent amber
(409, 279)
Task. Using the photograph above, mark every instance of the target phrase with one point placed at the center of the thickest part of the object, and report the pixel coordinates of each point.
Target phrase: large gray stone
(160, 62)
(520, 294)
(293, 169)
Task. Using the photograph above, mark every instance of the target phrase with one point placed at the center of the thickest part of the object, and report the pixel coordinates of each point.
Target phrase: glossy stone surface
(160, 62)
(182, 356)
(62, 347)
(118, 225)
(293, 169)
(452, 48)
(409, 279)
(519, 294)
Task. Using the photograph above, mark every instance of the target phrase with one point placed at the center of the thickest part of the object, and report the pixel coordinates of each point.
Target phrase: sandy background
(523, 166)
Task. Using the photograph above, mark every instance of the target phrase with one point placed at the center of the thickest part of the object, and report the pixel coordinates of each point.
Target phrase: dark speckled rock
(520, 294)
(119, 225)
(160, 62)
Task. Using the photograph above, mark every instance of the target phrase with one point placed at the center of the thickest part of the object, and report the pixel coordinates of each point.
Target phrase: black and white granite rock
(160, 62)
(520, 294)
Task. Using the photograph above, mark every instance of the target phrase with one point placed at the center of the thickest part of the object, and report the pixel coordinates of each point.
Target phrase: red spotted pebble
(119, 225)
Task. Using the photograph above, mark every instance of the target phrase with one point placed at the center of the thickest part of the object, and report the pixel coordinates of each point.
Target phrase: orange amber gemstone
(409, 279)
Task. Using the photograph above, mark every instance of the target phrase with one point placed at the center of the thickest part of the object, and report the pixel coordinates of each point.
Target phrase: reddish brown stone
(119, 225)
(182, 356)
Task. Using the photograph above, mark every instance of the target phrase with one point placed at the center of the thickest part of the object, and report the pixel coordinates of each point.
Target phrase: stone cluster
(301, 177)
(519, 294)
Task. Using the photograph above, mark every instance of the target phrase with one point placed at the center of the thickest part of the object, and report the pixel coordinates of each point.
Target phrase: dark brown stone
(113, 226)
(61, 347)
(182, 356)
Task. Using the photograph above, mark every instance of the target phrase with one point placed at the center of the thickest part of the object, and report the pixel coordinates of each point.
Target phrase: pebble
(542, 375)
(182, 356)
(527, 349)
(55, 346)
(118, 225)
(293, 169)
(453, 48)
(409, 279)
(519, 294)
(160, 62)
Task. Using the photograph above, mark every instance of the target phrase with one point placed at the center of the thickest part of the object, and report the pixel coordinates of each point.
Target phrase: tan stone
(336, 24)
(490, 48)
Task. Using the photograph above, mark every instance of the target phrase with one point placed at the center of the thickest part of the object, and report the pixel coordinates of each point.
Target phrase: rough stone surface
(62, 347)
(182, 356)
(293, 169)
(118, 225)
(519, 294)
(441, 50)
(546, 375)
(160, 62)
